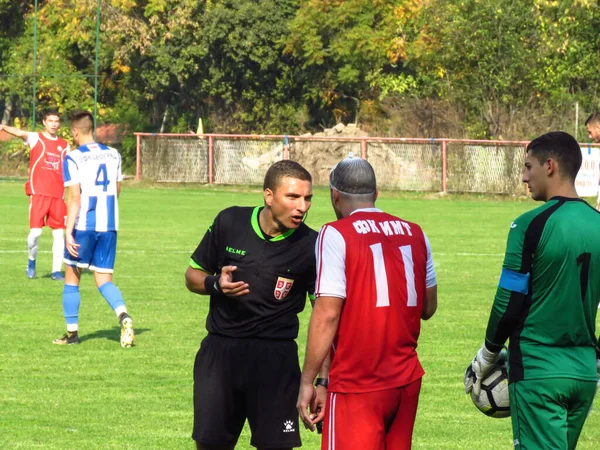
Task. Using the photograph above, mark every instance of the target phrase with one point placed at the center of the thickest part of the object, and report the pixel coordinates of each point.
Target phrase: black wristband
(212, 286)
(322, 382)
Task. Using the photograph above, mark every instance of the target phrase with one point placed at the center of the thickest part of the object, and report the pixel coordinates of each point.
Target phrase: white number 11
(381, 282)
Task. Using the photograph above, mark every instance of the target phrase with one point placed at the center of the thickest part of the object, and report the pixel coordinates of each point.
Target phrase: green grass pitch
(99, 396)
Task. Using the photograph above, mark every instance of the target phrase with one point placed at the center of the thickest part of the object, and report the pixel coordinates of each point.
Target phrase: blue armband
(514, 281)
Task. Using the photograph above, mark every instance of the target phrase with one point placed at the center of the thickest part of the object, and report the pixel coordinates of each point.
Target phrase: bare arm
(14, 131)
(118, 188)
(73, 205)
(430, 303)
(321, 332)
(194, 280)
(324, 370)
(317, 405)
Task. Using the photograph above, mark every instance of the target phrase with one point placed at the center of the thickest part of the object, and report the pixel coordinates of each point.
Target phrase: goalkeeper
(546, 303)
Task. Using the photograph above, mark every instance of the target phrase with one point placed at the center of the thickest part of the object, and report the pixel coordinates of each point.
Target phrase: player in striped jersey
(92, 174)
(45, 189)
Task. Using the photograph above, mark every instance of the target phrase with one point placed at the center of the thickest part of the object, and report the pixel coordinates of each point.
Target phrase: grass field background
(99, 396)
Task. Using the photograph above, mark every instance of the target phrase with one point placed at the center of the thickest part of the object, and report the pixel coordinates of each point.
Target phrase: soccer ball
(493, 399)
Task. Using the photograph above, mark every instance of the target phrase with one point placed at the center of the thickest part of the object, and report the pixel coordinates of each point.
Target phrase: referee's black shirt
(279, 271)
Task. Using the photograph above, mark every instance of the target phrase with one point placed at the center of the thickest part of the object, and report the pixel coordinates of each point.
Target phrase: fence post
(444, 166)
(138, 153)
(211, 160)
(286, 147)
(363, 148)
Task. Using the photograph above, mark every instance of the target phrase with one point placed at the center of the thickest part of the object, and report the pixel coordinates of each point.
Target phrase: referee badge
(283, 287)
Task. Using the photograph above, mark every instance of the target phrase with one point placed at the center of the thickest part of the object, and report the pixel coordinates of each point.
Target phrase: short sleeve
(431, 278)
(71, 170)
(206, 255)
(32, 139)
(331, 263)
(119, 171)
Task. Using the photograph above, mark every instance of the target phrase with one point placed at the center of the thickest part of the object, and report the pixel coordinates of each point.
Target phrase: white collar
(366, 210)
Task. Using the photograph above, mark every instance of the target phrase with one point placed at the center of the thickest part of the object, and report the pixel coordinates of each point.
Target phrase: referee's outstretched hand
(228, 286)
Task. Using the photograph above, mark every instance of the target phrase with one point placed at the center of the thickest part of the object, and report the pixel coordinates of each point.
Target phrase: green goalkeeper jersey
(548, 295)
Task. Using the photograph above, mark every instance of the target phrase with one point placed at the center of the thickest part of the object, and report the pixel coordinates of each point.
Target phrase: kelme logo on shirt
(235, 251)
(283, 287)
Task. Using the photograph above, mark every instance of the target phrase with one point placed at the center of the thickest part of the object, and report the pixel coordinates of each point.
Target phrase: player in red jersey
(45, 189)
(375, 282)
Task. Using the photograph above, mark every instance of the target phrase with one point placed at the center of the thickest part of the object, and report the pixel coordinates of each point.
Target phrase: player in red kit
(375, 283)
(45, 189)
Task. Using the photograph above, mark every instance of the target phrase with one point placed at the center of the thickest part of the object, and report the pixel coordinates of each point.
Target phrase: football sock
(113, 296)
(58, 249)
(71, 301)
(120, 310)
(32, 242)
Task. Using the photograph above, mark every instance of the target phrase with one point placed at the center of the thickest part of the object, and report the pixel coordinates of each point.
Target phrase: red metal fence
(446, 165)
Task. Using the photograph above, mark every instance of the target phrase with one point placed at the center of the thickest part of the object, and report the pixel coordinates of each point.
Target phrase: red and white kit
(45, 184)
(374, 352)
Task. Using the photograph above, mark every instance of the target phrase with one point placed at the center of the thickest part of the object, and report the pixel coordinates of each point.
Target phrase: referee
(258, 265)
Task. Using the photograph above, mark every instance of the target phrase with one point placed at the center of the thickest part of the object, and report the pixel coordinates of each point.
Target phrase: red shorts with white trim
(372, 420)
(49, 211)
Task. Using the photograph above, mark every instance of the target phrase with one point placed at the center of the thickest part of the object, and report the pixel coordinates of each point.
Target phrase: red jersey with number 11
(378, 263)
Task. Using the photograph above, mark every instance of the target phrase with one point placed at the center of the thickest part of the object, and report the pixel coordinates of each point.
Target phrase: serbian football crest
(283, 287)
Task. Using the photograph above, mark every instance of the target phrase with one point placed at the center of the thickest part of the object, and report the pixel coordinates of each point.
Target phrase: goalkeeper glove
(482, 364)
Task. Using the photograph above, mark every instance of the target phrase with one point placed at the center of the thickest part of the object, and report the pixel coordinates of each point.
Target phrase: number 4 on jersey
(102, 178)
(381, 281)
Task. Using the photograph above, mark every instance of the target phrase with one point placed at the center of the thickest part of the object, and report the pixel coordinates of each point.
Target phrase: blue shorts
(97, 250)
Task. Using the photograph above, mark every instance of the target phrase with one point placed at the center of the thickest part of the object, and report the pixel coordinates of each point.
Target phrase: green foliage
(12, 18)
(64, 56)
(498, 58)
(246, 74)
(351, 48)
(509, 69)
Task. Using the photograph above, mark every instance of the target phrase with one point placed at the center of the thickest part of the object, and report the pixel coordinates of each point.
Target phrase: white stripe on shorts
(331, 443)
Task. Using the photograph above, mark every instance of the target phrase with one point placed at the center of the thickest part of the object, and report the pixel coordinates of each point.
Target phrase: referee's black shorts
(239, 378)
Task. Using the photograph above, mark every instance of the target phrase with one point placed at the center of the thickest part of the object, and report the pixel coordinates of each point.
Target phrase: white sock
(120, 310)
(32, 242)
(71, 327)
(58, 249)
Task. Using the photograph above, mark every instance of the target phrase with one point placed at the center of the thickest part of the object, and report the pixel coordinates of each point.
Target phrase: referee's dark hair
(560, 146)
(282, 169)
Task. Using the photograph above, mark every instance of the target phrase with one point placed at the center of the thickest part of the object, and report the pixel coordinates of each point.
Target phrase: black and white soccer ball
(493, 400)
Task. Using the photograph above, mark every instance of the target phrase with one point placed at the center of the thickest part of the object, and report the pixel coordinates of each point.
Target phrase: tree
(511, 67)
(352, 50)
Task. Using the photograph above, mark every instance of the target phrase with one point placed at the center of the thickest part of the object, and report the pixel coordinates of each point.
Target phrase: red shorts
(371, 421)
(49, 211)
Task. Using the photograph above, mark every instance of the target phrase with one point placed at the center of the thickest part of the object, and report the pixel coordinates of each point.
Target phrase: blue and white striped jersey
(97, 169)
